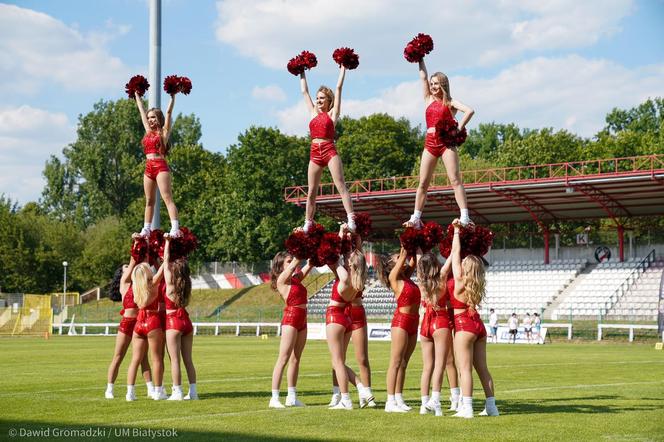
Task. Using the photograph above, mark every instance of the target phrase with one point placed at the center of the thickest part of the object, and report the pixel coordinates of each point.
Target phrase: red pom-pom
(137, 83)
(298, 245)
(171, 84)
(139, 249)
(363, 224)
(411, 240)
(448, 131)
(184, 85)
(346, 57)
(432, 234)
(298, 64)
(156, 246)
(183, 245)
(474, 241)
(347, 244)
(418, 47)
(329, 248)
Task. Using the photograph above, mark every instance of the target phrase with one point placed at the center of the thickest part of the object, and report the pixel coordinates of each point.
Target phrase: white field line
(565, 387)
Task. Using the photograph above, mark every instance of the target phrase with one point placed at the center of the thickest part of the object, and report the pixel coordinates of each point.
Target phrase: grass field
(581, 391)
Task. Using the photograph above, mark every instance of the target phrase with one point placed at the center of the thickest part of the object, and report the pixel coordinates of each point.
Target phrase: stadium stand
(641, 302)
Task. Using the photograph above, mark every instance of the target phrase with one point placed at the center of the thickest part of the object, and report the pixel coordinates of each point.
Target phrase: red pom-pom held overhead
(474, 241)
(184, 85)
(411, 240)
(139, 249)
(171, 84)
(432, 234)
(299, 63)
(418, 47)
(346, 57)
(137, 83)
(298, 245)
(363, 224)
(183, 245)
(329, 248)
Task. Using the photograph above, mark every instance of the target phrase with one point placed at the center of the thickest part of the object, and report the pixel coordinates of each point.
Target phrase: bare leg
(294, 361)
(122, 342)
(156, 342)
(149, 187)
(441, 338)
(145, 368)
(174, 344)
(410, 348)
(397, 351)
(166, 190)
(463, 347)
(286, 345)
(361, 346)
(187, 346)
(427, 167)
(479, 361)
(335, 342)
(139, 347)
(313, 181)
(451, 161)
(337, 172)
(427, 364)
(450, 366)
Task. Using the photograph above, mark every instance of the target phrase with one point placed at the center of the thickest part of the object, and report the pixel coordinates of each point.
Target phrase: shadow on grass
(302, 395)
(10, 429)
(573, 405)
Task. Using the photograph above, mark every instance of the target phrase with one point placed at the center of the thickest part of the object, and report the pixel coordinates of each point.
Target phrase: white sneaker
(175, 233)
(490, 411)
(130, 397)
(307, 226)
(434, 407)
(424, 409)
(466, 222)
(150, 393)
(453, 404)
(342, 405)
(466, 413)
(176, 396)
(414, 222)
(351, 225)
(145, 232)
(367, 401)
(335, 400)
(293, 402)
(392, 407)
(404, 406)
(274, 403)
(191, 397)
(109, 395)
(159, 395)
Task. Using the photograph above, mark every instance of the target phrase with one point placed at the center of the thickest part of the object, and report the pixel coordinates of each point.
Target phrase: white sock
(464, 215)
(150, 386)
(425, 399)
(109, 388)
(275, 394)
(490, 402)
(147, 225)
(335, 390)
(192, 389)
(360, 387)
(467, 402)
(130, 389)
(177, 389)
(417, 214)
(367, 392)
(435, 396)
(345, 397)
(175, 225)
(292, 392)
(390, 398)
(398, 397)
(455, 392)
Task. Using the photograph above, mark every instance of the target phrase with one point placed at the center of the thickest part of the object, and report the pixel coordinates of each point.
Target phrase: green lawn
(560, 391)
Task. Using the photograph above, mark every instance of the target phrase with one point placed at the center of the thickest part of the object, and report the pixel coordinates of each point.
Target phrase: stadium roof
(606, 188)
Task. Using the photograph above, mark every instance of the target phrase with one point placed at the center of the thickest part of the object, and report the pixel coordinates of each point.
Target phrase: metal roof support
(450, 204)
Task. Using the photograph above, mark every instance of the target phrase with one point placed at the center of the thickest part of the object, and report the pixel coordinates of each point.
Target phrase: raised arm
(160, 274)
(455, 253)
(412, 265)
(304, 88)
(468, 112)
(285, 276)
(167, 258)
(336, 108)
(398, 266)
(306, 269)
(445, 269)
(424, 77)
(166, 130)
(141, 110)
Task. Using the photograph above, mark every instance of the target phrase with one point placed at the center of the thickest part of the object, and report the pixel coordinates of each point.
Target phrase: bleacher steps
(583, 274)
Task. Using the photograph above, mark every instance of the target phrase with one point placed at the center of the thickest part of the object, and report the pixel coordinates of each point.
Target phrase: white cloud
(572, 93)
(36, 49)
(268, 93)
(468, 33)
(28, 136)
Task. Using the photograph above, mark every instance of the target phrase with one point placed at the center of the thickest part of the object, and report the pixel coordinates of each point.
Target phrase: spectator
(513, 325)
(528, 327)
(493, 323)
(537, 327)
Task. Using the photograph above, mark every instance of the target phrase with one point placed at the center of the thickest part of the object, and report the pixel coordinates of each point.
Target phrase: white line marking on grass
(659, 361)
(565, 387)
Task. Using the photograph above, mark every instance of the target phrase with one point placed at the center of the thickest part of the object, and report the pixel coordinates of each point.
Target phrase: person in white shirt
(528, 327)
(537, 327)
(513, 324)
(493, 323)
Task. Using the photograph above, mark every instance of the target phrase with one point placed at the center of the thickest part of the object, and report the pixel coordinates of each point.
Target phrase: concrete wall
(572, 252)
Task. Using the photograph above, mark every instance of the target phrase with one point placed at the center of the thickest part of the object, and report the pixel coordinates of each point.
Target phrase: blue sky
(561, 64)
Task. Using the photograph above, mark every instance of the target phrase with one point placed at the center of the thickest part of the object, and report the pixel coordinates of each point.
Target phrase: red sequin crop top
(151, 143)
(128, 299)
(322, 126)
(336, 296)
(435, 112)
(453, 299)
(410, 294)
(298, 293)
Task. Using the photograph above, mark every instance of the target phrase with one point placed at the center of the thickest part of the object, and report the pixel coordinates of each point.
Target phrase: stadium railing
(631, 327)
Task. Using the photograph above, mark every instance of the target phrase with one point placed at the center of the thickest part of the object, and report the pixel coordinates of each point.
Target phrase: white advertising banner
(504, 335)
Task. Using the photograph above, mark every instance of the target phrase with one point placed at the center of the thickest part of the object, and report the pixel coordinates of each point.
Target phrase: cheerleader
(395, 272)
(359, 336)
(351, 276)
(435, 333)
(157, 173)
(324, 116)
(121, 290)
(470, 333)
(179, 330)
(286, 279)
(148, 329)
(440, 105)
